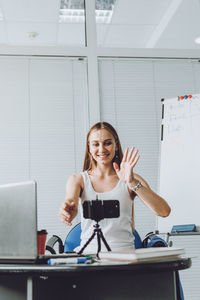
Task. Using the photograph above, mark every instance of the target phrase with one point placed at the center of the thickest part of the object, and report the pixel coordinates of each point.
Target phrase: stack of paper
(143, 254)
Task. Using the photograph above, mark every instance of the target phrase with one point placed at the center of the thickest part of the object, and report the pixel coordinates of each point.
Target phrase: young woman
(109, 174)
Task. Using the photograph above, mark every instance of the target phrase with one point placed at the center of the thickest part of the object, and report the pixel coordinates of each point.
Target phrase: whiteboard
(180, 161)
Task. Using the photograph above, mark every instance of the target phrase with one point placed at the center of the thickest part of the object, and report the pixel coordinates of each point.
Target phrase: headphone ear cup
(146, 239)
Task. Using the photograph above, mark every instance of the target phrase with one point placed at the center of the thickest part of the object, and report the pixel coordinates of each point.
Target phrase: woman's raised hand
(125, 171)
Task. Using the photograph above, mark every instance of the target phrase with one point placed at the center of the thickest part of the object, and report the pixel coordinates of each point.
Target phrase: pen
(70, 260)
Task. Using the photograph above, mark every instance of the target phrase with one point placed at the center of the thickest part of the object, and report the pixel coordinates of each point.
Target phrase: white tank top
(117, 231)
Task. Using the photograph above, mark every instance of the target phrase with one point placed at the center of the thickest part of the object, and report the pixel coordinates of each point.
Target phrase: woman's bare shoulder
(76, 179)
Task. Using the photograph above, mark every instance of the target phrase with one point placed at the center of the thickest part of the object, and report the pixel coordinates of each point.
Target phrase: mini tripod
(97, 231)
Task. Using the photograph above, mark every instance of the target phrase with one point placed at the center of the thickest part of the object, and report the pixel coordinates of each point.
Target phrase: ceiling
(171, 24)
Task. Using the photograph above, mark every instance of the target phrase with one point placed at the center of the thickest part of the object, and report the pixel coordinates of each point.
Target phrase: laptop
(18, 224)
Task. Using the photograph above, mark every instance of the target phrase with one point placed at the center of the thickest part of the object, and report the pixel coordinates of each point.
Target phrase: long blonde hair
(89, 162)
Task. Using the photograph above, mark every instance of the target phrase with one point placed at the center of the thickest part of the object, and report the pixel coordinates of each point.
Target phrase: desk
(138, 281)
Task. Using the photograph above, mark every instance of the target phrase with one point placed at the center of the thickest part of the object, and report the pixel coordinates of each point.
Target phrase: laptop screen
(18, 221)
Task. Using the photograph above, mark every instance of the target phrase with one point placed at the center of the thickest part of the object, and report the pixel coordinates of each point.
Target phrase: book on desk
(143, 254)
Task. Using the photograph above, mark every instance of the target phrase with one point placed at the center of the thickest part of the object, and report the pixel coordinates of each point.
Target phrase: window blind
(44, 120)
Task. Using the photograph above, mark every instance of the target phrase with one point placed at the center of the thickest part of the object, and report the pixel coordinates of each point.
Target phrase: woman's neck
(103, 171)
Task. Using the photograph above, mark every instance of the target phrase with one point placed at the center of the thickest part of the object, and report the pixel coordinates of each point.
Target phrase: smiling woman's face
(102, 146)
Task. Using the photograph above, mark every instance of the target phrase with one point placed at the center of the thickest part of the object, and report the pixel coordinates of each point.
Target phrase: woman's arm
(156, 203)
(69, 208)
(125, 172)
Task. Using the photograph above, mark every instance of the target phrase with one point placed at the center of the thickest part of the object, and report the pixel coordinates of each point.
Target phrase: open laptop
(18, 224)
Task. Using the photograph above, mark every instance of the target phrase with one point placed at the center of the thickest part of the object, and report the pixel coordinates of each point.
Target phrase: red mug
(41, 240)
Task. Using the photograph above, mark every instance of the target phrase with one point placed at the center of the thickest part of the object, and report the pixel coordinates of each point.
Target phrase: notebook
(18, 224)
(144, 254)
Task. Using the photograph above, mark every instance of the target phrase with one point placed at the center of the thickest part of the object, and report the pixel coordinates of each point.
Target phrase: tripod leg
(104, 240)
(99, 242)
(84, 246)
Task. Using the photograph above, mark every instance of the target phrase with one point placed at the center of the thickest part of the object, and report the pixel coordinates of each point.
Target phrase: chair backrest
(153, 240)
(73, 239)
(137, 240)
